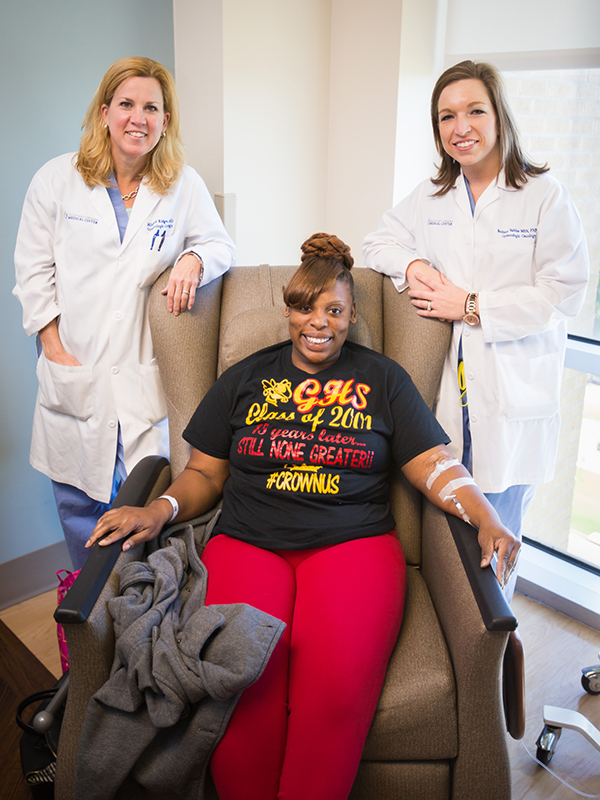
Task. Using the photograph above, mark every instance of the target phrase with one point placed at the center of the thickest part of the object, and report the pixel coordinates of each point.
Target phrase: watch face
(471, 318)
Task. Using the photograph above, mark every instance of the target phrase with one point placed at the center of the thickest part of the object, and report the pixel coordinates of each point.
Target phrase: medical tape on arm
(441, 466)
(446, 493)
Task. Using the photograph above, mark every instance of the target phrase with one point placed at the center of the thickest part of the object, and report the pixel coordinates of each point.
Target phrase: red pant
(299, 731)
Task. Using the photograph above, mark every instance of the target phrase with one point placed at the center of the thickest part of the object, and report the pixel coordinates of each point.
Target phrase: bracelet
(199, 259)
(173, 502)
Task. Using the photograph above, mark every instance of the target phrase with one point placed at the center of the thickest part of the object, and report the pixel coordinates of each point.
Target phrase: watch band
(200, 261)
(471, 316)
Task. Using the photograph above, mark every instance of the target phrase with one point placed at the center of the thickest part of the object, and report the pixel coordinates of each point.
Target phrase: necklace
(131, 195)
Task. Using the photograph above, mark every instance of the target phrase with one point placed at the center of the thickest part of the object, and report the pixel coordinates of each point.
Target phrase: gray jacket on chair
(178, 672)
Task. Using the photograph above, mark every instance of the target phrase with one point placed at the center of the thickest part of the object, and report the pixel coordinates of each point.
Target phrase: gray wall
(52, 56)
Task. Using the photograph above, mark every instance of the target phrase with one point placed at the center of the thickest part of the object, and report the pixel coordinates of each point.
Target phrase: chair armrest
(81, 597)
(497, 616)
(513, 686)
(494, 609)
(479, 627)
(482, 768)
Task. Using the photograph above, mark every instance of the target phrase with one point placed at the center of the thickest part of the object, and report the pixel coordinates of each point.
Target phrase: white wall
(198, 42)
(365, 55)
(421, 62)
(276, 99)
(309, 91)
(551, 28)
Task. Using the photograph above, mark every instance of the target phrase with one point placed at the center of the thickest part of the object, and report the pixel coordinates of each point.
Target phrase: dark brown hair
(517, 167)
(325, 260)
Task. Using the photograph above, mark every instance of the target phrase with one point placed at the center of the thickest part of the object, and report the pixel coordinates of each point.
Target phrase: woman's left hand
(438, 298)
(184, 280)
(494, 537)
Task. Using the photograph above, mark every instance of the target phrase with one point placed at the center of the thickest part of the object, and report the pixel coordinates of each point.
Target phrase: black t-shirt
(310, 455)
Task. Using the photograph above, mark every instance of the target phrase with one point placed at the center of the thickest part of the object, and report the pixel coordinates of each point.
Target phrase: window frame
(550, 576)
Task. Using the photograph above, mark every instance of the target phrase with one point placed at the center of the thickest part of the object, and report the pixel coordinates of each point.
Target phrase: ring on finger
(510, 568)
(183, 291)
(429, 305)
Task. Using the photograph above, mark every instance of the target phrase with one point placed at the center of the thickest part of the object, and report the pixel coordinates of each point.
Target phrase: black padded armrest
(82, 596)
(494, 609)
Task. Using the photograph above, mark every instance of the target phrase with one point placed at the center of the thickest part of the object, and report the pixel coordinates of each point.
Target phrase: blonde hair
(517, 167)
(325, 260)
(165, 162)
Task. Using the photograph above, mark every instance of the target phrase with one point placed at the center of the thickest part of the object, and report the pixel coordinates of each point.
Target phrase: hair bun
(327, 245)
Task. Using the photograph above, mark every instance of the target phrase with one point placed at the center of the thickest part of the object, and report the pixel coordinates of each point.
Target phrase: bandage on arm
(447, 493)
(439, 474)
(440, 467)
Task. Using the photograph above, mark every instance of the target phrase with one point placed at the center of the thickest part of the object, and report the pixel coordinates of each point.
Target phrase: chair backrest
(243, 312)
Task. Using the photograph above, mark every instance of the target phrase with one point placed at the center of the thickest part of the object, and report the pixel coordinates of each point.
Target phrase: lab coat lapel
(144, 203)
(489, 196)
(102, 204)
(461, 198)
(492, 193)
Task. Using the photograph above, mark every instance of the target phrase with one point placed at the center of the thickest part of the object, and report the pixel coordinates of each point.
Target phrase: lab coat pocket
(66, 390)
(529, 387)
(155, 403)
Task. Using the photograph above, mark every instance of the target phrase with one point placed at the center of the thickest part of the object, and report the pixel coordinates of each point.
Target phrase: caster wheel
(546, 743)
(544, 756)
(591, 685)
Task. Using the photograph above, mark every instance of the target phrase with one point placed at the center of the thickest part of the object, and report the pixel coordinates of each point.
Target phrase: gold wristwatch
(471, 317)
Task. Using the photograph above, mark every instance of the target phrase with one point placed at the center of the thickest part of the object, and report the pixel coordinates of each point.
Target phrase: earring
(164, 133)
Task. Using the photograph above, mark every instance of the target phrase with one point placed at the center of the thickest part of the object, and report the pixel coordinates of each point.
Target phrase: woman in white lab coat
(97, 228)
(495, 245)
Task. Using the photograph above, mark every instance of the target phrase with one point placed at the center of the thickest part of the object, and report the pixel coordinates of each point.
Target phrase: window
(558, 112)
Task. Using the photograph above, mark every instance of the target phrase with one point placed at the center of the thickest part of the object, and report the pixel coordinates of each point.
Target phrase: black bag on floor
(39, 743)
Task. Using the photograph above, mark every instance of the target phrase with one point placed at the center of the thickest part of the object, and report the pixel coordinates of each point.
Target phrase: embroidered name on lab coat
(518, 233)
(441, 222)
(160, 225)
(159, 228)
(80, 218)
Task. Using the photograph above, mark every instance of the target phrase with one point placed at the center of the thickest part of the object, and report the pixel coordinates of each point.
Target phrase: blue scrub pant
(79, 513)
(512, 503)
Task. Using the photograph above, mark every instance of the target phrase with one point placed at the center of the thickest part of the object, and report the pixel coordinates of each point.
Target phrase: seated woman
(306, 532)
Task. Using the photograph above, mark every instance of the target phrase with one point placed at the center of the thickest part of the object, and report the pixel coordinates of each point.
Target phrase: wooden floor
(33, 623)
(556, 649)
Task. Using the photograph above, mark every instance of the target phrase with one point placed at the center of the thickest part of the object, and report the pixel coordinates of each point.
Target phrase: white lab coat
(524, 251)
(71, 264)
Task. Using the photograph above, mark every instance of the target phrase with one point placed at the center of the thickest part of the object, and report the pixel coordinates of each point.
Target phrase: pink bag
(64, 584)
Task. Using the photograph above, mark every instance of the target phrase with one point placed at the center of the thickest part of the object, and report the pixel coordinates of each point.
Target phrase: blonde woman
(97, 229)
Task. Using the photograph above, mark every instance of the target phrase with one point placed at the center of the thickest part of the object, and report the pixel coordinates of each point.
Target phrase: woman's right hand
(196, 490)
(62, 357)
(144, 523)
(53, 347)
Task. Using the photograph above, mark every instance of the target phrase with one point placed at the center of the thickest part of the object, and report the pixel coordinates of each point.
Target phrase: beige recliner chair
(440, 728)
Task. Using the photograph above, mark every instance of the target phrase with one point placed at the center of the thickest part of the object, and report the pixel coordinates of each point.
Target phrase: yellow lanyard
(462, 384)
